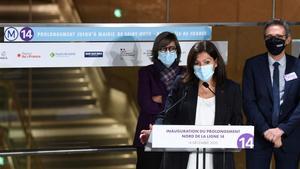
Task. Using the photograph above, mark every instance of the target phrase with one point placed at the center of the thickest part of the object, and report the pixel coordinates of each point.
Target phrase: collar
(282, 61)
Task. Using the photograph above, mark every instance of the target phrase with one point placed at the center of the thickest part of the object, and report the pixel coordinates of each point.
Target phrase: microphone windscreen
(205, 84)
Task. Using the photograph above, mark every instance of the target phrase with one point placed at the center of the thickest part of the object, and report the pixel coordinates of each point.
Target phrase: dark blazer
(257, 100)
(228, 111)
(149, 84)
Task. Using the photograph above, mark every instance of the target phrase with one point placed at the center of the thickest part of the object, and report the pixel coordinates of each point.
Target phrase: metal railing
(24, 120)
(102, 85)
(29, 152)
(6, 145)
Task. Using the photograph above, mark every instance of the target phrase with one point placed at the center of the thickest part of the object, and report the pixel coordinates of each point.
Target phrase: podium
(192, 138)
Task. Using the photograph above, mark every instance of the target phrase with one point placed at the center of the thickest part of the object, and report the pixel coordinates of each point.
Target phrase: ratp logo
(11, 34)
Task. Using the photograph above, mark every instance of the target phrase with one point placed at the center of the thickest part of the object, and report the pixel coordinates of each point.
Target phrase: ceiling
(87, 11)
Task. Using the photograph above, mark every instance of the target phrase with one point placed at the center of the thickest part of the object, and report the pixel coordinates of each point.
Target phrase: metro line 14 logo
(245, 140)
(18, 34)
(11, 34)
(26, 34)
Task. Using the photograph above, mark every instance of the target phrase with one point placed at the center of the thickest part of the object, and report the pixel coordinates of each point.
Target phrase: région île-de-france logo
(12, 34)
(28, 55)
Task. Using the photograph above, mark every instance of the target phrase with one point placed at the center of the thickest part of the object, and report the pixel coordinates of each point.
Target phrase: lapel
(193, 97)
(156, 83)
(156, 73)
(220, 102)
(288, 69)
(265, 73)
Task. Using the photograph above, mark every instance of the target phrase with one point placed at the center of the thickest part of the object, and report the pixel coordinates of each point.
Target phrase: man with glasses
(271, 98)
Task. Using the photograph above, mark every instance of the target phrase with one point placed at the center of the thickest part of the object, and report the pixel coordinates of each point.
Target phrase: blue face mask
(167, 58)
(204, 73)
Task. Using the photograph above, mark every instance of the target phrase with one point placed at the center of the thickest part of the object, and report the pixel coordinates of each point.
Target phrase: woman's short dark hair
(163, 40)
(208, 47)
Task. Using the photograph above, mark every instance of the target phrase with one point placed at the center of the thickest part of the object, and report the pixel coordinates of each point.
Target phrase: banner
(192, 136)
(103, 33)
(93, 45)
(85, 54)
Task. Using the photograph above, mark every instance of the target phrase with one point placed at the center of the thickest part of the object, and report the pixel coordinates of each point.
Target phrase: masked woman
(209, 99)
(154, 84)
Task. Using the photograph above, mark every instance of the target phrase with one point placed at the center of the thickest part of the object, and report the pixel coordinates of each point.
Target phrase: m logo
(11, 34)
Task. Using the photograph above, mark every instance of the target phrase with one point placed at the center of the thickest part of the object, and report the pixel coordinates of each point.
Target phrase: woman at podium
(203, 96)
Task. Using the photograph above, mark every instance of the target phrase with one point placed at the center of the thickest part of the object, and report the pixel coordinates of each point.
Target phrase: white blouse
(205, 115)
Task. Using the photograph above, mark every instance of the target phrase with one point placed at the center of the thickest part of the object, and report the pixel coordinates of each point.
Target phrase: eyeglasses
(276, 36)
(171, 49)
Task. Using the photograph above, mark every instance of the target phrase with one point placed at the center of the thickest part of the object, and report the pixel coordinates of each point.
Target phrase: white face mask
(204, 73)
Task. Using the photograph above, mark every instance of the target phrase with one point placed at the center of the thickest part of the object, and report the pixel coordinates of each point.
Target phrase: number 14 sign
(18, 34)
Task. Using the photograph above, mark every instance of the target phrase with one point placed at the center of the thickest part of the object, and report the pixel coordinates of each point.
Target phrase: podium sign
(191, 136)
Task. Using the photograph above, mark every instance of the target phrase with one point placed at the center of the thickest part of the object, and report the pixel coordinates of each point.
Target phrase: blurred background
(85, 107)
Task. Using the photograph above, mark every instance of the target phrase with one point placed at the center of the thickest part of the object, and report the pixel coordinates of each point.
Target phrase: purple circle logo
(26, 34)
(245, 141)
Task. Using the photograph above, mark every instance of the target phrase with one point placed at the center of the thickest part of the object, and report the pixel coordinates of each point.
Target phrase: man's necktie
(276, 96)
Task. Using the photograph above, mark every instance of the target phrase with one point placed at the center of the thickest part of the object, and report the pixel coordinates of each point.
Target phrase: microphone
(178, 101)
(205, 84)
(160, 116)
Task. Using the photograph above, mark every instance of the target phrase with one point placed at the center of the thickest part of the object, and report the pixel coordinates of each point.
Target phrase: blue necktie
(276, 96)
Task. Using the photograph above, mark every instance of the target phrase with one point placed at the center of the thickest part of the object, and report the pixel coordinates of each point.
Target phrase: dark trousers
(260, 159)
(148, 160)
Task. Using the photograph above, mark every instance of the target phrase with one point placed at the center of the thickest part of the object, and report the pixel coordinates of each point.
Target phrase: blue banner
(103, 34)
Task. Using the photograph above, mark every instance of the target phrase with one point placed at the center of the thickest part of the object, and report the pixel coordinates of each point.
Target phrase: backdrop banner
(99, 45)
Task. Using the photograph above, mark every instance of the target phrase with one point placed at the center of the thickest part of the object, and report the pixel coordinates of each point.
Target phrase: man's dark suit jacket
(257, 101)
(228, 111)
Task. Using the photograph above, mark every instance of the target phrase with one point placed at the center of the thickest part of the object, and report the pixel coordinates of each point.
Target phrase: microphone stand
(205, 84)
(197, 159)
(178, 101)
(161, 115)
(204, 158)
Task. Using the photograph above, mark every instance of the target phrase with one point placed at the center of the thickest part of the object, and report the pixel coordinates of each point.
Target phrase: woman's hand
(157, 99)
(144, 135)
